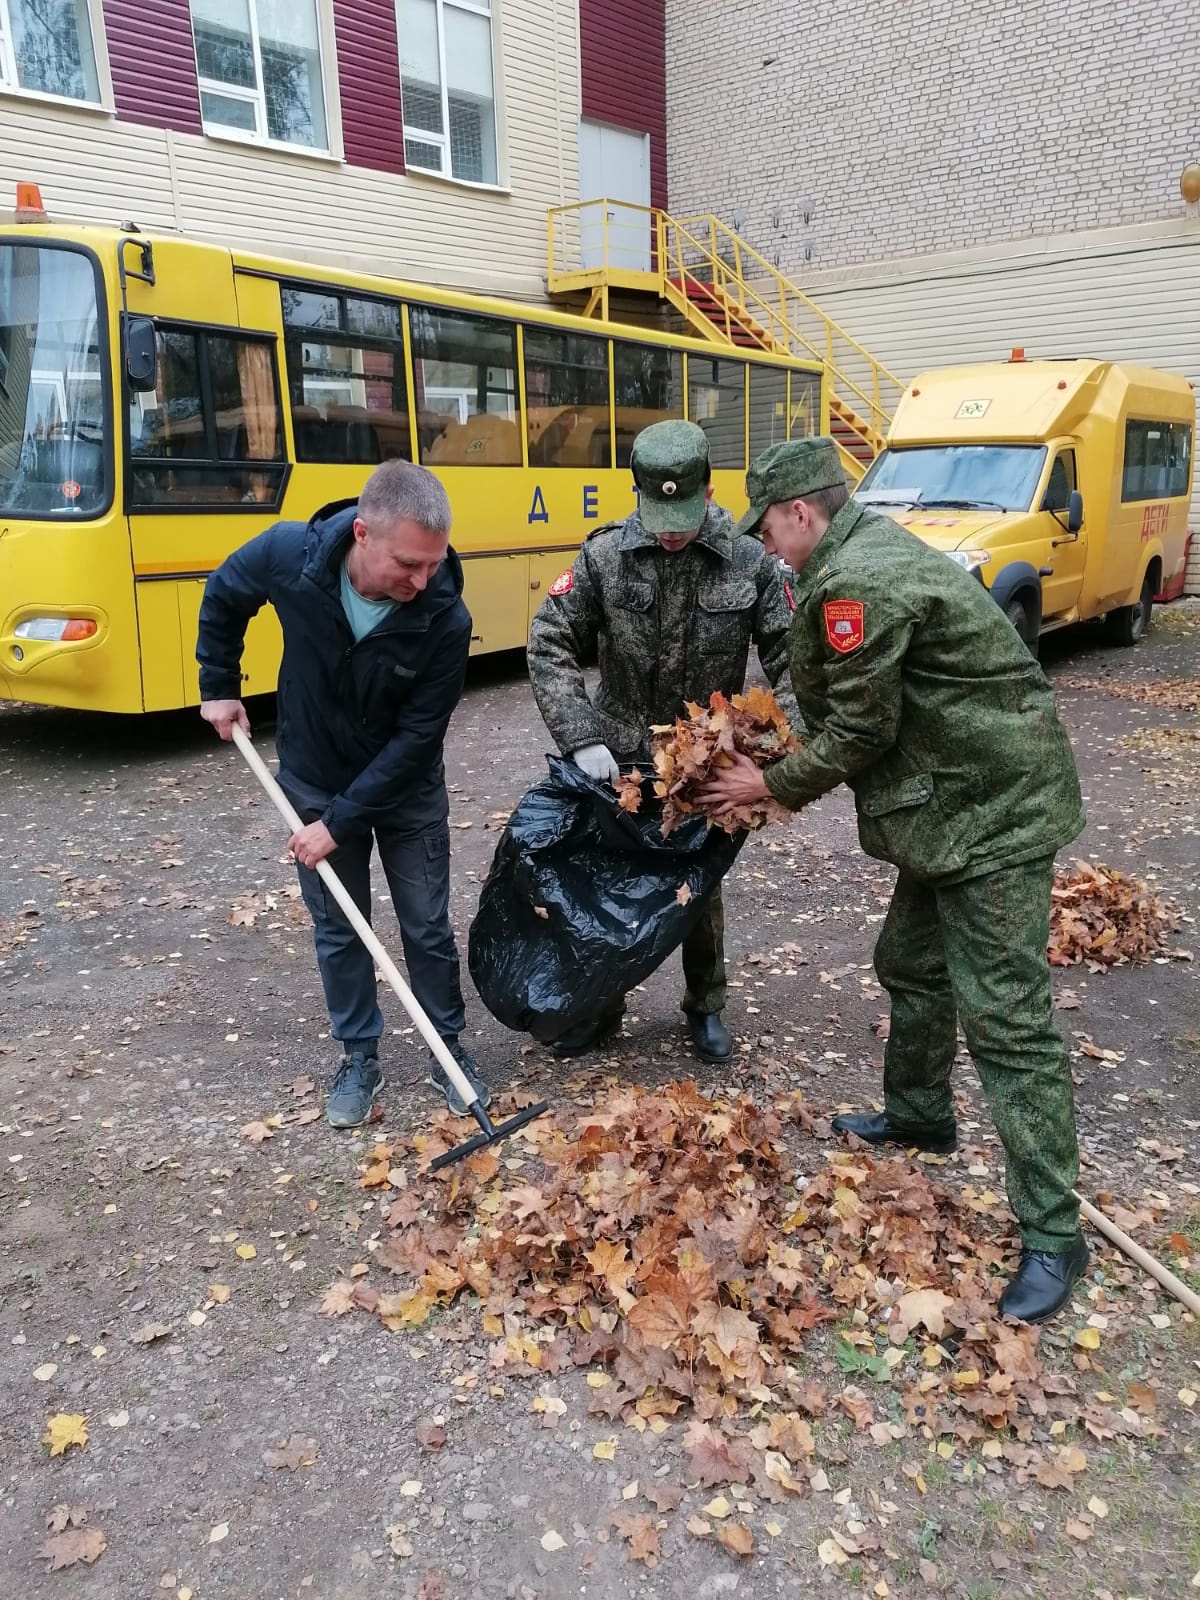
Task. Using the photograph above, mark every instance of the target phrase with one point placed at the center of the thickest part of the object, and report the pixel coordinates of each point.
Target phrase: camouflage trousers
(975, 953)
(703, 953)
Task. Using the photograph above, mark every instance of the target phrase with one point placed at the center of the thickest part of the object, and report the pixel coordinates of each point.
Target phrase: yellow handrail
(687, 251)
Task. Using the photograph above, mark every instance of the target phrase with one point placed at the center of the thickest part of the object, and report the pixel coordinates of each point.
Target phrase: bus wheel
(1020, 614)
(1128, 624)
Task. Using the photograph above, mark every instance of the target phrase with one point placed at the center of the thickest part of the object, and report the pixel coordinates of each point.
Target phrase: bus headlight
(970, 560)
(57, 630)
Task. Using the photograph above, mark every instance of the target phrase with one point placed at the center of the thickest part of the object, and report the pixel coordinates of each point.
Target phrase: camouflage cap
(670, 467)
(787, 472)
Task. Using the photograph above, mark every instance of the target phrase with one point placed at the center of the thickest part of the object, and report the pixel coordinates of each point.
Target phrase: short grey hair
(401, 491)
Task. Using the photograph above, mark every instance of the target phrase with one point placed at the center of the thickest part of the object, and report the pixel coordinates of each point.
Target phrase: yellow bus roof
(104, 240)
(1032, 401)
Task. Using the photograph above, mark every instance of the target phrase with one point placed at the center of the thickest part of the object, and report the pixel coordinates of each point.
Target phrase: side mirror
(1075, 512)
(141, 354)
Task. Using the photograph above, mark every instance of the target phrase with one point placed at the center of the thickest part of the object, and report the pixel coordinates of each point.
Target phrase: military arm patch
(845, 624)
(564, 583)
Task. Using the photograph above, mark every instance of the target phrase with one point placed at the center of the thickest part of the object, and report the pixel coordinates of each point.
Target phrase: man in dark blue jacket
(375, 644)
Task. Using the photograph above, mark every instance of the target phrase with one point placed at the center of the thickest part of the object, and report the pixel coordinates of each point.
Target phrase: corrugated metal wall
(1130, 296)
(369, 58)
(622, 46)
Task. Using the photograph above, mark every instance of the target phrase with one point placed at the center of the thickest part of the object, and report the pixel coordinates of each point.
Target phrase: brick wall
(835, 134)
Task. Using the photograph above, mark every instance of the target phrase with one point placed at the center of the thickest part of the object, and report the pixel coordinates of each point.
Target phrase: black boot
(710, 1037)
(1043, 1282)
(589, 1035)
(875, 1128)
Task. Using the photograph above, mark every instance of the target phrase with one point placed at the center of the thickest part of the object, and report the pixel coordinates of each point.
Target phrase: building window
(208, 435)
(259, 65)
(447, 87)
(1157, 460)
(465, 378)
(46, 47)
(347, 378)
(566, 399)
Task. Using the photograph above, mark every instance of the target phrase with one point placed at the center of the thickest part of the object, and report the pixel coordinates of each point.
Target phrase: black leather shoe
(1043, 1282)
(874, 1127)
(588, 1035)
(711, 1039)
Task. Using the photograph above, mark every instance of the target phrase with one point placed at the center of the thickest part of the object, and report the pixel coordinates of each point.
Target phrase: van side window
(1157, 458)
(1062, 482)
(209, 434)
(346, 377)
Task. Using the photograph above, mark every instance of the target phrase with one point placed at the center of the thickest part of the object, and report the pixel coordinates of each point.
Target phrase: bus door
(205, 458)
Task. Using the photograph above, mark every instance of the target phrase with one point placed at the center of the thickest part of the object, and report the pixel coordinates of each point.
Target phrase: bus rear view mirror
(141, 354)
(1075, 512)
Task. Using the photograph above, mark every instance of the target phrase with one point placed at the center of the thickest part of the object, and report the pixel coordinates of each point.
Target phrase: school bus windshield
(990, 476)
(52, 432)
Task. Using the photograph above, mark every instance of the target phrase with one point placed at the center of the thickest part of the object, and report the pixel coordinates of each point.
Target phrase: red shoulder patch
(564, 583)
(845, 624)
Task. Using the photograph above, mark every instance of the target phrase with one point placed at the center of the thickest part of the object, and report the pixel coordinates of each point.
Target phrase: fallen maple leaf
(642, 1535)
(76, 1544)
(296, 1452)
(65, 1430)
(925, 1306)
(151, 1332)
(693, 749)
(629, 791)
(256, 1132)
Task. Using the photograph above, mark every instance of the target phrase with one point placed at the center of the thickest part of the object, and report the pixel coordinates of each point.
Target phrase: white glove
(597, 761)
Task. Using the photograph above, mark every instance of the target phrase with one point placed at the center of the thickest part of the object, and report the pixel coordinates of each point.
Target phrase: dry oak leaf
(736, 1536)
(71, 1546)
(296, 1452)
(64, 1430)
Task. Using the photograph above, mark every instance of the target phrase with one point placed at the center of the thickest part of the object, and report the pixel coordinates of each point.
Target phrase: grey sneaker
(438, 1079)
(359, 1079)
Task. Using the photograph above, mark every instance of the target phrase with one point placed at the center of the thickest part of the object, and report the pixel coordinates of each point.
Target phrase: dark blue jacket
(360, 725)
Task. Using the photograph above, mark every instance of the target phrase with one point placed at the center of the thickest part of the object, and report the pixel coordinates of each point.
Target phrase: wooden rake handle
(361, 926)
(1141, 1257)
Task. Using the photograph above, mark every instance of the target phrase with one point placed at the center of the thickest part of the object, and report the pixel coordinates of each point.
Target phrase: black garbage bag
(582, 901)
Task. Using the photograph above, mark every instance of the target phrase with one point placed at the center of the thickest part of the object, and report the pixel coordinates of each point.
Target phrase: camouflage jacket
(664, 628)
(919, 694)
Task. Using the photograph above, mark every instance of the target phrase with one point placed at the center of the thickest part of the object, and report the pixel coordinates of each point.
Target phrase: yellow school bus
(163, 399)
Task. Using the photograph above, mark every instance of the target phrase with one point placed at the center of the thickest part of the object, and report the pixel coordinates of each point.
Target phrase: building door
(614, 165)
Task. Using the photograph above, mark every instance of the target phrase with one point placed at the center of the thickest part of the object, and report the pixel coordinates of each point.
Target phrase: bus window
(1157, 455)
(346, 378)
(804, 405)
(53, 455)
(465, 378)
(648, 382)
(566, 399)
(209, 435)
(768, 407)
(717, 403)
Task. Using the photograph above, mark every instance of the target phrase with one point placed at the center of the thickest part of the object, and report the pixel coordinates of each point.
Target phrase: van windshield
(53, 451)
(994, 476)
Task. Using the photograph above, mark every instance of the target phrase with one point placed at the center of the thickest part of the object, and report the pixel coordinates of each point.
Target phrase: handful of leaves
(689, 752)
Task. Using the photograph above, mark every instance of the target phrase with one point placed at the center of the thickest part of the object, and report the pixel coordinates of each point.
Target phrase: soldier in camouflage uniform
(918, 693)
(669, 602)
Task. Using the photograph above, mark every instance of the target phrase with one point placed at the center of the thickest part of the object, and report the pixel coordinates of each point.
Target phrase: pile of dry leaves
(1170, 694)
(663, 1239)
(1100, 916)
(691, 751)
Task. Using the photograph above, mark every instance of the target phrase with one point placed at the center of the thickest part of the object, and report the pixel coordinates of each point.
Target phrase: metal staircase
(729, 294)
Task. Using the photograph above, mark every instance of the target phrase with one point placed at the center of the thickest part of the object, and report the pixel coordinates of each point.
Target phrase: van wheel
(1128, 624)
(1020, 614)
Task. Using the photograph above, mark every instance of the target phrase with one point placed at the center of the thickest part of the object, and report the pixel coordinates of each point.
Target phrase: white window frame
(257, 97)
(481, 8)
(11, 84)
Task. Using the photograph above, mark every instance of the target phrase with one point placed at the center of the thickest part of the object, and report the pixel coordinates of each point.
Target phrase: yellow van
(1063, 485)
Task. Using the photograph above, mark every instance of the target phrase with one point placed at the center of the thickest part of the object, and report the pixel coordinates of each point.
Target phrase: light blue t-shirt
(362, 615)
